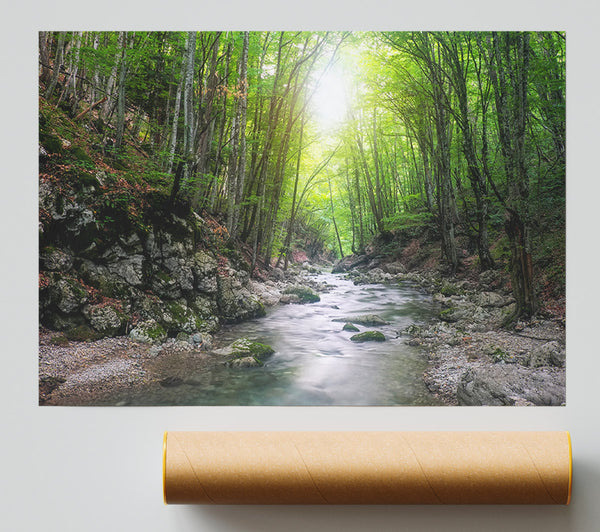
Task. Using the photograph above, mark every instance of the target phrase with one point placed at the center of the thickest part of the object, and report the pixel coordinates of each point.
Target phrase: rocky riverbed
(474, 357)
(76, 371)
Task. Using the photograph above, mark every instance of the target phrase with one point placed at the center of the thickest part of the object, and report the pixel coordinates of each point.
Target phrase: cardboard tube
(367, 467)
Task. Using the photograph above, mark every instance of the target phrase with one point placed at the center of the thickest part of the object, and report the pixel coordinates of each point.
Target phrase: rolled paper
(367, 467)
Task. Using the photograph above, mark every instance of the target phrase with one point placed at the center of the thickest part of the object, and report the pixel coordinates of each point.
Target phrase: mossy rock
(79, 154)
(82, 333)
(182, 337)
(305, 294)
(148, 332)
(85, 180)
(108, 320)
(180, 318)
(243, 348)
(448, 289)
(350, 327)
(51, 143)
(368, 336)
(449, 315)
(60, 340)
(245, 362)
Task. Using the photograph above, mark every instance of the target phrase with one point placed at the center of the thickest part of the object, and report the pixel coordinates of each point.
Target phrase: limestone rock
(56, 259)
(245, 362)
(502, 384)
(246, 347)
(66, 294)
(237, 304)
(148, 332)
(394, 268)
(492, 299)
(548, 354)
(106, 319)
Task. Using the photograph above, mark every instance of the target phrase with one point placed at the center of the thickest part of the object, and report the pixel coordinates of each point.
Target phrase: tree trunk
(57, 65)
(175, 124)
(121, 95)
(188, 105)
(337, 233)
(45, 70)
(509, 58)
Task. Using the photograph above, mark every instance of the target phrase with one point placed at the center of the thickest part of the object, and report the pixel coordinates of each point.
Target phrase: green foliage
(498, 355)
(384, 160)
(401, 221)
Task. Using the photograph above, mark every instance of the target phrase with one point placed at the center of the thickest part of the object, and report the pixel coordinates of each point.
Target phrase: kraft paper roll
(367, 467)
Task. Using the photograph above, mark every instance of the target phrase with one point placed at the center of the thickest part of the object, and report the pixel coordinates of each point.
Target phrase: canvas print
(302, 218)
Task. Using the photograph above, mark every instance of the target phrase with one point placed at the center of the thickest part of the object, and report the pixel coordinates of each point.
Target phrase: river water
(315, 363)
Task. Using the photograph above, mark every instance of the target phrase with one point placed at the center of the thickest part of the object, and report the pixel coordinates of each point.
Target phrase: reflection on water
(315, 363)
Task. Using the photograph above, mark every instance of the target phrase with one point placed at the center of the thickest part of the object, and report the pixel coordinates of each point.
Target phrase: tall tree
(509, 72)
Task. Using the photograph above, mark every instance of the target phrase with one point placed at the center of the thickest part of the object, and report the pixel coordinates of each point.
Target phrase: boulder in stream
(241, 351)
(301, 294)
(368, 336)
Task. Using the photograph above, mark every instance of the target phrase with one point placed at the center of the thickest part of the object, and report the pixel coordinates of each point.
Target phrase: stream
(315, 363)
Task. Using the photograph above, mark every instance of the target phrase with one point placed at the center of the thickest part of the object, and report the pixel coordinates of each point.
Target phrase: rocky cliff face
(161, 274)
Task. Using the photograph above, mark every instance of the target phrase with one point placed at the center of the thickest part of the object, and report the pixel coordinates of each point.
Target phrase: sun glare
(330, 99)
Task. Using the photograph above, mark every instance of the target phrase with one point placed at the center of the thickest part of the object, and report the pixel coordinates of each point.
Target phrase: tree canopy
(323, 141)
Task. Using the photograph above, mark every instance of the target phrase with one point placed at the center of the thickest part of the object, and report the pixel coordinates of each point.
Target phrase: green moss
(368, 336)
(350, 327)
(155, 332)
(47, 250)
(244, 348)
(448, 314)
(86, 180)
(60, 339)
(82, 333)
(449, 289)
(113, 288)
(79, 154)
(260, 310)
(76, 288)
(164, 277)
(50, 143)
(178, 311)
(117, 164)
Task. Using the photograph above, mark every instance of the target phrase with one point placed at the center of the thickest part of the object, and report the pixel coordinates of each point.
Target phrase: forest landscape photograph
(302, 218)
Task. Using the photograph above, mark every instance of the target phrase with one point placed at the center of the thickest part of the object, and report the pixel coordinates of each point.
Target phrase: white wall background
(99, 469)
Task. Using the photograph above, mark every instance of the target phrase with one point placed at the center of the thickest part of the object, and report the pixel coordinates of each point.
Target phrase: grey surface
(98, 469)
